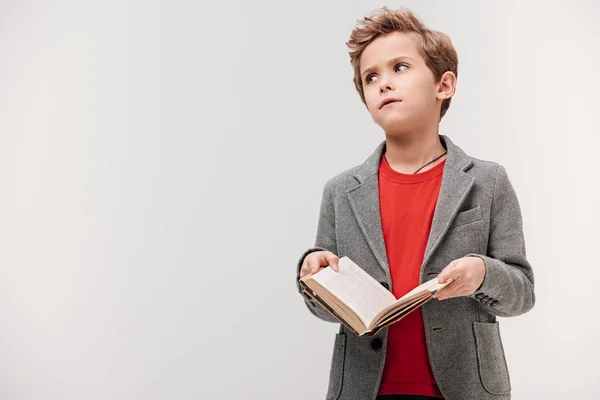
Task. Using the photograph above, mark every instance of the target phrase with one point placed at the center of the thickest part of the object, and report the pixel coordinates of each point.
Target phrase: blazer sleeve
(325, 240)
(508, 286)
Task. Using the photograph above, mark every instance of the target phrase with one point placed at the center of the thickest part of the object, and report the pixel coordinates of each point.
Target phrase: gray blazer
(477, 213)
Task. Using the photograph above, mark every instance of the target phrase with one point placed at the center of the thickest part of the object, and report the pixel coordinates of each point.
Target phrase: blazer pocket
(493, 370)
(467, 217)
(336, 373)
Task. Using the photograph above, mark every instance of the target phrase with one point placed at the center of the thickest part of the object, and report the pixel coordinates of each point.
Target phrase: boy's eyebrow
(391, 61)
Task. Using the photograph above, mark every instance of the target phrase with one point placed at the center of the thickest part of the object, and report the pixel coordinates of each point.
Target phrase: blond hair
(435, 47)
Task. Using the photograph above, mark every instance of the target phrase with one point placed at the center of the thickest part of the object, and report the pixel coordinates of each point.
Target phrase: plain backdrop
(161, 168)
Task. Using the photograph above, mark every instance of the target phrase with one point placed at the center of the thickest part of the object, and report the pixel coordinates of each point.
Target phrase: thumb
(445, 274)
(334, 264)
(442, 277)
(332, 260)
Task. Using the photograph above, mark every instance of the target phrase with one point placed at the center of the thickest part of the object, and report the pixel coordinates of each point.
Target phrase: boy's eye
(369, 80)
(399, 65)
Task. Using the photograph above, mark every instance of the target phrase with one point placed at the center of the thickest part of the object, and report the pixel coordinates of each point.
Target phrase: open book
(361, 303)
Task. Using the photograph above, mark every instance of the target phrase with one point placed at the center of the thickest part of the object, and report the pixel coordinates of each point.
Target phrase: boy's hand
(316, 260)
(468, 274)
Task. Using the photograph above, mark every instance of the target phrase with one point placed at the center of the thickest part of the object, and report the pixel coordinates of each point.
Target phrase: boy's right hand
(317, 260)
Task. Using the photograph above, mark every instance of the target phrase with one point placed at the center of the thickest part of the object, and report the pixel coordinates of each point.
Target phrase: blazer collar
(364, 201)
(456, 159)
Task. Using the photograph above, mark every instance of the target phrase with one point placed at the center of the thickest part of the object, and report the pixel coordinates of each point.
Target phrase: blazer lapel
(456, 184)
(364, 200)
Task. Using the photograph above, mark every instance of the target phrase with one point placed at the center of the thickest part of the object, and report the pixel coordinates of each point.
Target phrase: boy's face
(392, 68)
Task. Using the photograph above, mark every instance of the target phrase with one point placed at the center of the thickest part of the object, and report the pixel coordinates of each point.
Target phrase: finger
(332, 260)
(445, 292)
(447, 272)
(453, 292)
(313, 264)
(305, 270)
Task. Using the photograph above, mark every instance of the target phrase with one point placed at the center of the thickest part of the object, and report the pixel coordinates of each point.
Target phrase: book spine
(318, 299)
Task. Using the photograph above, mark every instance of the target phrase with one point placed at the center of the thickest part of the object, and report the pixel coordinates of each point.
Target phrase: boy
(417, 208)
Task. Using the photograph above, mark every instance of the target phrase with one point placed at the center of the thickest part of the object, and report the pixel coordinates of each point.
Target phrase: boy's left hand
(468, 274)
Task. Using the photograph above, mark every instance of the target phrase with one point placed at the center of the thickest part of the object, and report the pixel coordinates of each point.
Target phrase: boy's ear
(446, 85)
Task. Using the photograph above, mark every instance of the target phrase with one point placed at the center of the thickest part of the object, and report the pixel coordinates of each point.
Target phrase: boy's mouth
(387, 101)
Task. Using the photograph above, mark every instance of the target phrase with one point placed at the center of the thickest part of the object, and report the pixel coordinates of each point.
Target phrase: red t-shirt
(407, 204)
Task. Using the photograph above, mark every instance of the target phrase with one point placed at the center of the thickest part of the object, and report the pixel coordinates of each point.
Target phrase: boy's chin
(397, 126)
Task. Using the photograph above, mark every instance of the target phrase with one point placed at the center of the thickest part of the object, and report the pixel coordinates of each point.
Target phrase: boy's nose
(384, 86)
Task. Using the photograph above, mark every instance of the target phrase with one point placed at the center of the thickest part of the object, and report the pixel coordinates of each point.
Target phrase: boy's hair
(435, 47)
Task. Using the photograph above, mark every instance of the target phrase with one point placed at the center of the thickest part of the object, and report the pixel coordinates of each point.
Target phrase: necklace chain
(435, 159)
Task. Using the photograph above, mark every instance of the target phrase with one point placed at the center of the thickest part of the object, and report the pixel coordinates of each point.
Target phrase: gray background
(161, 170)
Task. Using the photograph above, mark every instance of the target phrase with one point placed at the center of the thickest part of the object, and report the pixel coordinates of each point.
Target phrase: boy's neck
(408, 152)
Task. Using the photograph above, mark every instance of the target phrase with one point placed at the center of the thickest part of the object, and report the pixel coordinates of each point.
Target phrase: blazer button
(385, 285)
(485, 298)
(376, 344)
(494, 303)
(478, 296)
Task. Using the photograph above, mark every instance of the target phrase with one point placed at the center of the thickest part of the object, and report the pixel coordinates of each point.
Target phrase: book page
(432, 285)
(403, 312)
(356, 289)
(425, 289)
